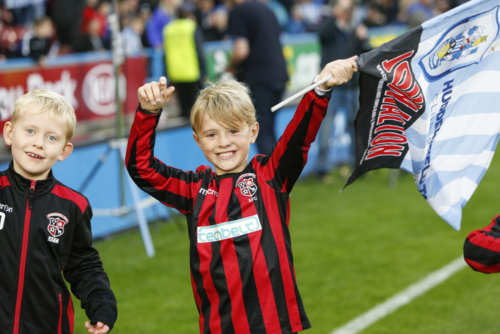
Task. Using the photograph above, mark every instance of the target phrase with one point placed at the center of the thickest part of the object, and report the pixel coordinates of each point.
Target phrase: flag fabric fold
(430, 105)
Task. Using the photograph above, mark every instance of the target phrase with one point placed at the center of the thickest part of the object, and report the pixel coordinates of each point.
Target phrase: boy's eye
(210, 135)
(30, 131)
(51, 138)
(233, 131)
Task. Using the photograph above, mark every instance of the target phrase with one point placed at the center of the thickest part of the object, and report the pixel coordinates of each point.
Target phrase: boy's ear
(7, 133)
(197, 139)
(66, 151)
(254, 132)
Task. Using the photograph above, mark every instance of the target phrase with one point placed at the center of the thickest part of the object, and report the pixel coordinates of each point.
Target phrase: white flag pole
(305, 90)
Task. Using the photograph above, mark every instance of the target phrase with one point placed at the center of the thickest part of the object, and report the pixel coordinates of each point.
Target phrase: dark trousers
(264, 96)
(186, 94)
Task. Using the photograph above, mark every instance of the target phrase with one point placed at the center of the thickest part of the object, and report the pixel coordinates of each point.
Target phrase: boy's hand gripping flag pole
(302, 92)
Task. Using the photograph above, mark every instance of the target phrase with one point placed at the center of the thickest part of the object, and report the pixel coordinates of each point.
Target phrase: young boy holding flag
(241, 260)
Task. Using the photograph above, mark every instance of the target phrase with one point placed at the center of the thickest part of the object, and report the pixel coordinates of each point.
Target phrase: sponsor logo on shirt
(57, 221)
(229, 230)
(5, 208)
(208, 192)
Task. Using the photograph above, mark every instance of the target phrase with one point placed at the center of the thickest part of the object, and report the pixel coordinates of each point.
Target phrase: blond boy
(240, 255)
(45, 229)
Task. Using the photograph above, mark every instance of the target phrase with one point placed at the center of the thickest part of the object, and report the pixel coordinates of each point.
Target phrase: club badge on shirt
(247, 184)
(57, 221)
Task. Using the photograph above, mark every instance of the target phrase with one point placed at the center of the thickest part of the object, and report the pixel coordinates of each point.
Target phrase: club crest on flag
(247, 185)
(56, 225)
(462, 45)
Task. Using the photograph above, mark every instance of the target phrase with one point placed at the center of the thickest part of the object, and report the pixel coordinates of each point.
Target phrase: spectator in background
(67, 16)
(145, 15)
(162, 15)
(40, 43)
(280, 12)
(184, 60)
(90, 13)
(419, 12)
(390, 9)
(96, 10)
(296, 24)
(311, 15)
(26, 12)
(374, 17)
(339, 41)
(212, 19)
(131, 36)
(258, 61)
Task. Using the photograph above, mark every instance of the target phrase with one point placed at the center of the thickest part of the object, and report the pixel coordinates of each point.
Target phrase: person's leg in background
(352, 106)
(186, 94)
(265, 96)
(325, 133)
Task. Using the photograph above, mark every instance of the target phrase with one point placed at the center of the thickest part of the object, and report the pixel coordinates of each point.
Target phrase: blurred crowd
(42, 28)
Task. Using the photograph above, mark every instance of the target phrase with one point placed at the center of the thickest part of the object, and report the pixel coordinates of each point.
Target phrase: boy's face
(37, 141)
(227, 149)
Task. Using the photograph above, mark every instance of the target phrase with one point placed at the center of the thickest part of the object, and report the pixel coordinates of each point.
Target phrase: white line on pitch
(402, 298)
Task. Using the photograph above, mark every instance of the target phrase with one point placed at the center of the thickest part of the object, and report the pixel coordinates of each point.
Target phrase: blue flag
(430, 104)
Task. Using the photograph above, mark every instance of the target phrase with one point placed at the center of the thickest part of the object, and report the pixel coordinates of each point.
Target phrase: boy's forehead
(209, 122)
(32, 116)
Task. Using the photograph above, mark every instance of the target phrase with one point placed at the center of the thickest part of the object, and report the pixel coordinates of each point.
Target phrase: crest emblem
(247, 185)
(464, 44)
(460, 46)
(56, 225)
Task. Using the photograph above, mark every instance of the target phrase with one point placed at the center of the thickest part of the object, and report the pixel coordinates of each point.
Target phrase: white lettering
(208, 192)
(52, 239)
(229, 230)
(66, 86)
(2, 220)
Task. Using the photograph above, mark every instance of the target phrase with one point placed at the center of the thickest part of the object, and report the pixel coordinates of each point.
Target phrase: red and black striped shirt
(241, 258)
(482, 248)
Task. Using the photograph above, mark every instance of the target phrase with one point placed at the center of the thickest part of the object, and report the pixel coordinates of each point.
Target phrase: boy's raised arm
(169, 185)
(291, 152)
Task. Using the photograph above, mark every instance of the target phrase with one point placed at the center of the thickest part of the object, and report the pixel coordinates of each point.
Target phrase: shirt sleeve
(237, 27)
(482, 248)
(85, 273)
(169, 185)
(283, 166)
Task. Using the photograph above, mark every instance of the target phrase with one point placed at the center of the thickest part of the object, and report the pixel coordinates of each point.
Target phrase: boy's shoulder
(63, 191)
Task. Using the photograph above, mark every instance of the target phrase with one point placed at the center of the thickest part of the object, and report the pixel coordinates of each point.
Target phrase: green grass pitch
(352, 251)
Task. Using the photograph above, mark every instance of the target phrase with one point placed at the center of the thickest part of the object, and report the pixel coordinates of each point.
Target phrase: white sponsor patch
(229, 230)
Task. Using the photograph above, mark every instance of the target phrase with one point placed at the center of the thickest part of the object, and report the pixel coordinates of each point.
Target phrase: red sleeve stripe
(71, 315)
(205, 258)
(285, 263)
(261, 274)
(483, 268)
(4, 181)
(490, 226)
(231, 266)
(145, 159)
(71, 195)
(198, 301)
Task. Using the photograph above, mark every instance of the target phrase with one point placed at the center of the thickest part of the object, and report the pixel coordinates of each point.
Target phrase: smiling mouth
(33, 155)
(225, 154)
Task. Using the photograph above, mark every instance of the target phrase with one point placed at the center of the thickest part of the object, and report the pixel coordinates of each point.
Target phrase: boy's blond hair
(56, 104)
(227, 102)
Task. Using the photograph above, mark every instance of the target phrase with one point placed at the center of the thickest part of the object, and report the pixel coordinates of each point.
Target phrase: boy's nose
(224, 140)
(38, 141)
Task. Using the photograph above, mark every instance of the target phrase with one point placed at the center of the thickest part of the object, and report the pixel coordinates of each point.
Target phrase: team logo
(462, 45)
(247, 184)
(56, 225)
